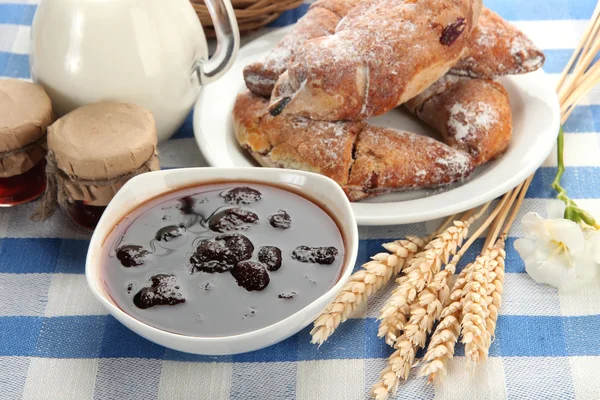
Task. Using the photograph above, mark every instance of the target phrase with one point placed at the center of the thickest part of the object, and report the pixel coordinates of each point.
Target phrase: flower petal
(567, 232)
(525, 247)
(555, 274)
(556, 251)
(533, 226)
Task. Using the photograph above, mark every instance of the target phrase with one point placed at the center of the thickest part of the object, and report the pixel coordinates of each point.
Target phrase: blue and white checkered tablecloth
(57, 342)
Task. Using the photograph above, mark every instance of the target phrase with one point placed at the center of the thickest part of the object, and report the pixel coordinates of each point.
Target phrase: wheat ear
(447, 332)
(443, 340)
(419, 273)
(479, 285)
(495, 284)
(396, 312)
(475, 311)
(424, 312)
(398, 366)
(371, 278)
(373, 275)
(425, 305)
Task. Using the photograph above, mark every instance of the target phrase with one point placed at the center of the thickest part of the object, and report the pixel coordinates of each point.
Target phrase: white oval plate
(536, 119)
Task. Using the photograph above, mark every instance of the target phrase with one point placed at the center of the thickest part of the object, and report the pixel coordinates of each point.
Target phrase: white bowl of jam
(222, 261)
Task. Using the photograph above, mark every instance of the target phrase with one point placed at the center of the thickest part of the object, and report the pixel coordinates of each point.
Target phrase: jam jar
(93, 151)
(25, 113)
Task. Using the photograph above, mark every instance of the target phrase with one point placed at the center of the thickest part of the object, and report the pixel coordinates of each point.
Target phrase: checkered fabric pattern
(57, 342)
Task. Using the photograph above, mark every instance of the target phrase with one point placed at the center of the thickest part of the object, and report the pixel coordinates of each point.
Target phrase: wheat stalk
(495, 284)
(475, 311)
(443, 340)
(427, 309)
(419, 273)
(441, 347)
(498, 258)
(373, 276)
(398, 367)
(571, 88)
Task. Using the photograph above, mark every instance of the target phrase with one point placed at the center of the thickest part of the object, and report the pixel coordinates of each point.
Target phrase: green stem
(560, 146)
(572, 211)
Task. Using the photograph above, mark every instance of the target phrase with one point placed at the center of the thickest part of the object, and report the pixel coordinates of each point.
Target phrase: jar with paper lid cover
(92, 152)
(25, 113)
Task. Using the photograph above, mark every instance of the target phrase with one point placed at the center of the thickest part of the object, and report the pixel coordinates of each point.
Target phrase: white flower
(555, 251)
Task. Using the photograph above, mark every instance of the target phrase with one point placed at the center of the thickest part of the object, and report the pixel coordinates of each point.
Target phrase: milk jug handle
(228, 41)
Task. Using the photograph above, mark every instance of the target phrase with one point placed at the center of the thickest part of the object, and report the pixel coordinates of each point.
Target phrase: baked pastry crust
(498, 48)
(388, 160)
(327, 70)
(320, 20)
(472, 115)
(365, 160)
(339, 7)
(359, 71)
(296, 143)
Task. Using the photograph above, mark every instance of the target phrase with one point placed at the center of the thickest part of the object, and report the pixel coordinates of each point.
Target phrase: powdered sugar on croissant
(383, 53)
(365, 160)
(389, 160)
(498, 48)
(320, 20)
(297, 143)
(472, 115)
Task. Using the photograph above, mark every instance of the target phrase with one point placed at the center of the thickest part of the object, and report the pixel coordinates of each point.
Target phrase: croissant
(383, 53)
(364, 160)
(320, 20)
(472, 115)
(496, 47)
(298, 143)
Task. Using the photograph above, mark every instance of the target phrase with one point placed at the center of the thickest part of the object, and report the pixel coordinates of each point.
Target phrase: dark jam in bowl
(221, 259)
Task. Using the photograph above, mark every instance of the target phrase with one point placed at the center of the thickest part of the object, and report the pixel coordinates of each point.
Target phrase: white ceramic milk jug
(149, 52)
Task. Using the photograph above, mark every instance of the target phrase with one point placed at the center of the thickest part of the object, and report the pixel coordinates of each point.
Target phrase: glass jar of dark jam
(84, 215)
(24, 187)
(26, 113)
(92, 152)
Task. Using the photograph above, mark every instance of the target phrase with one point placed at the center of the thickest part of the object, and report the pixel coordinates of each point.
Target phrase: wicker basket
(250, 14)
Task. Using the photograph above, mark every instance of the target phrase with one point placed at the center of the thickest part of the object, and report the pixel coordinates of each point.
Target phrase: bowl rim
(332, 193)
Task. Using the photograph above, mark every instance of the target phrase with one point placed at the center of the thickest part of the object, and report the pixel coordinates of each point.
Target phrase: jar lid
(26, 113)
(103, 141)
(93, 151)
